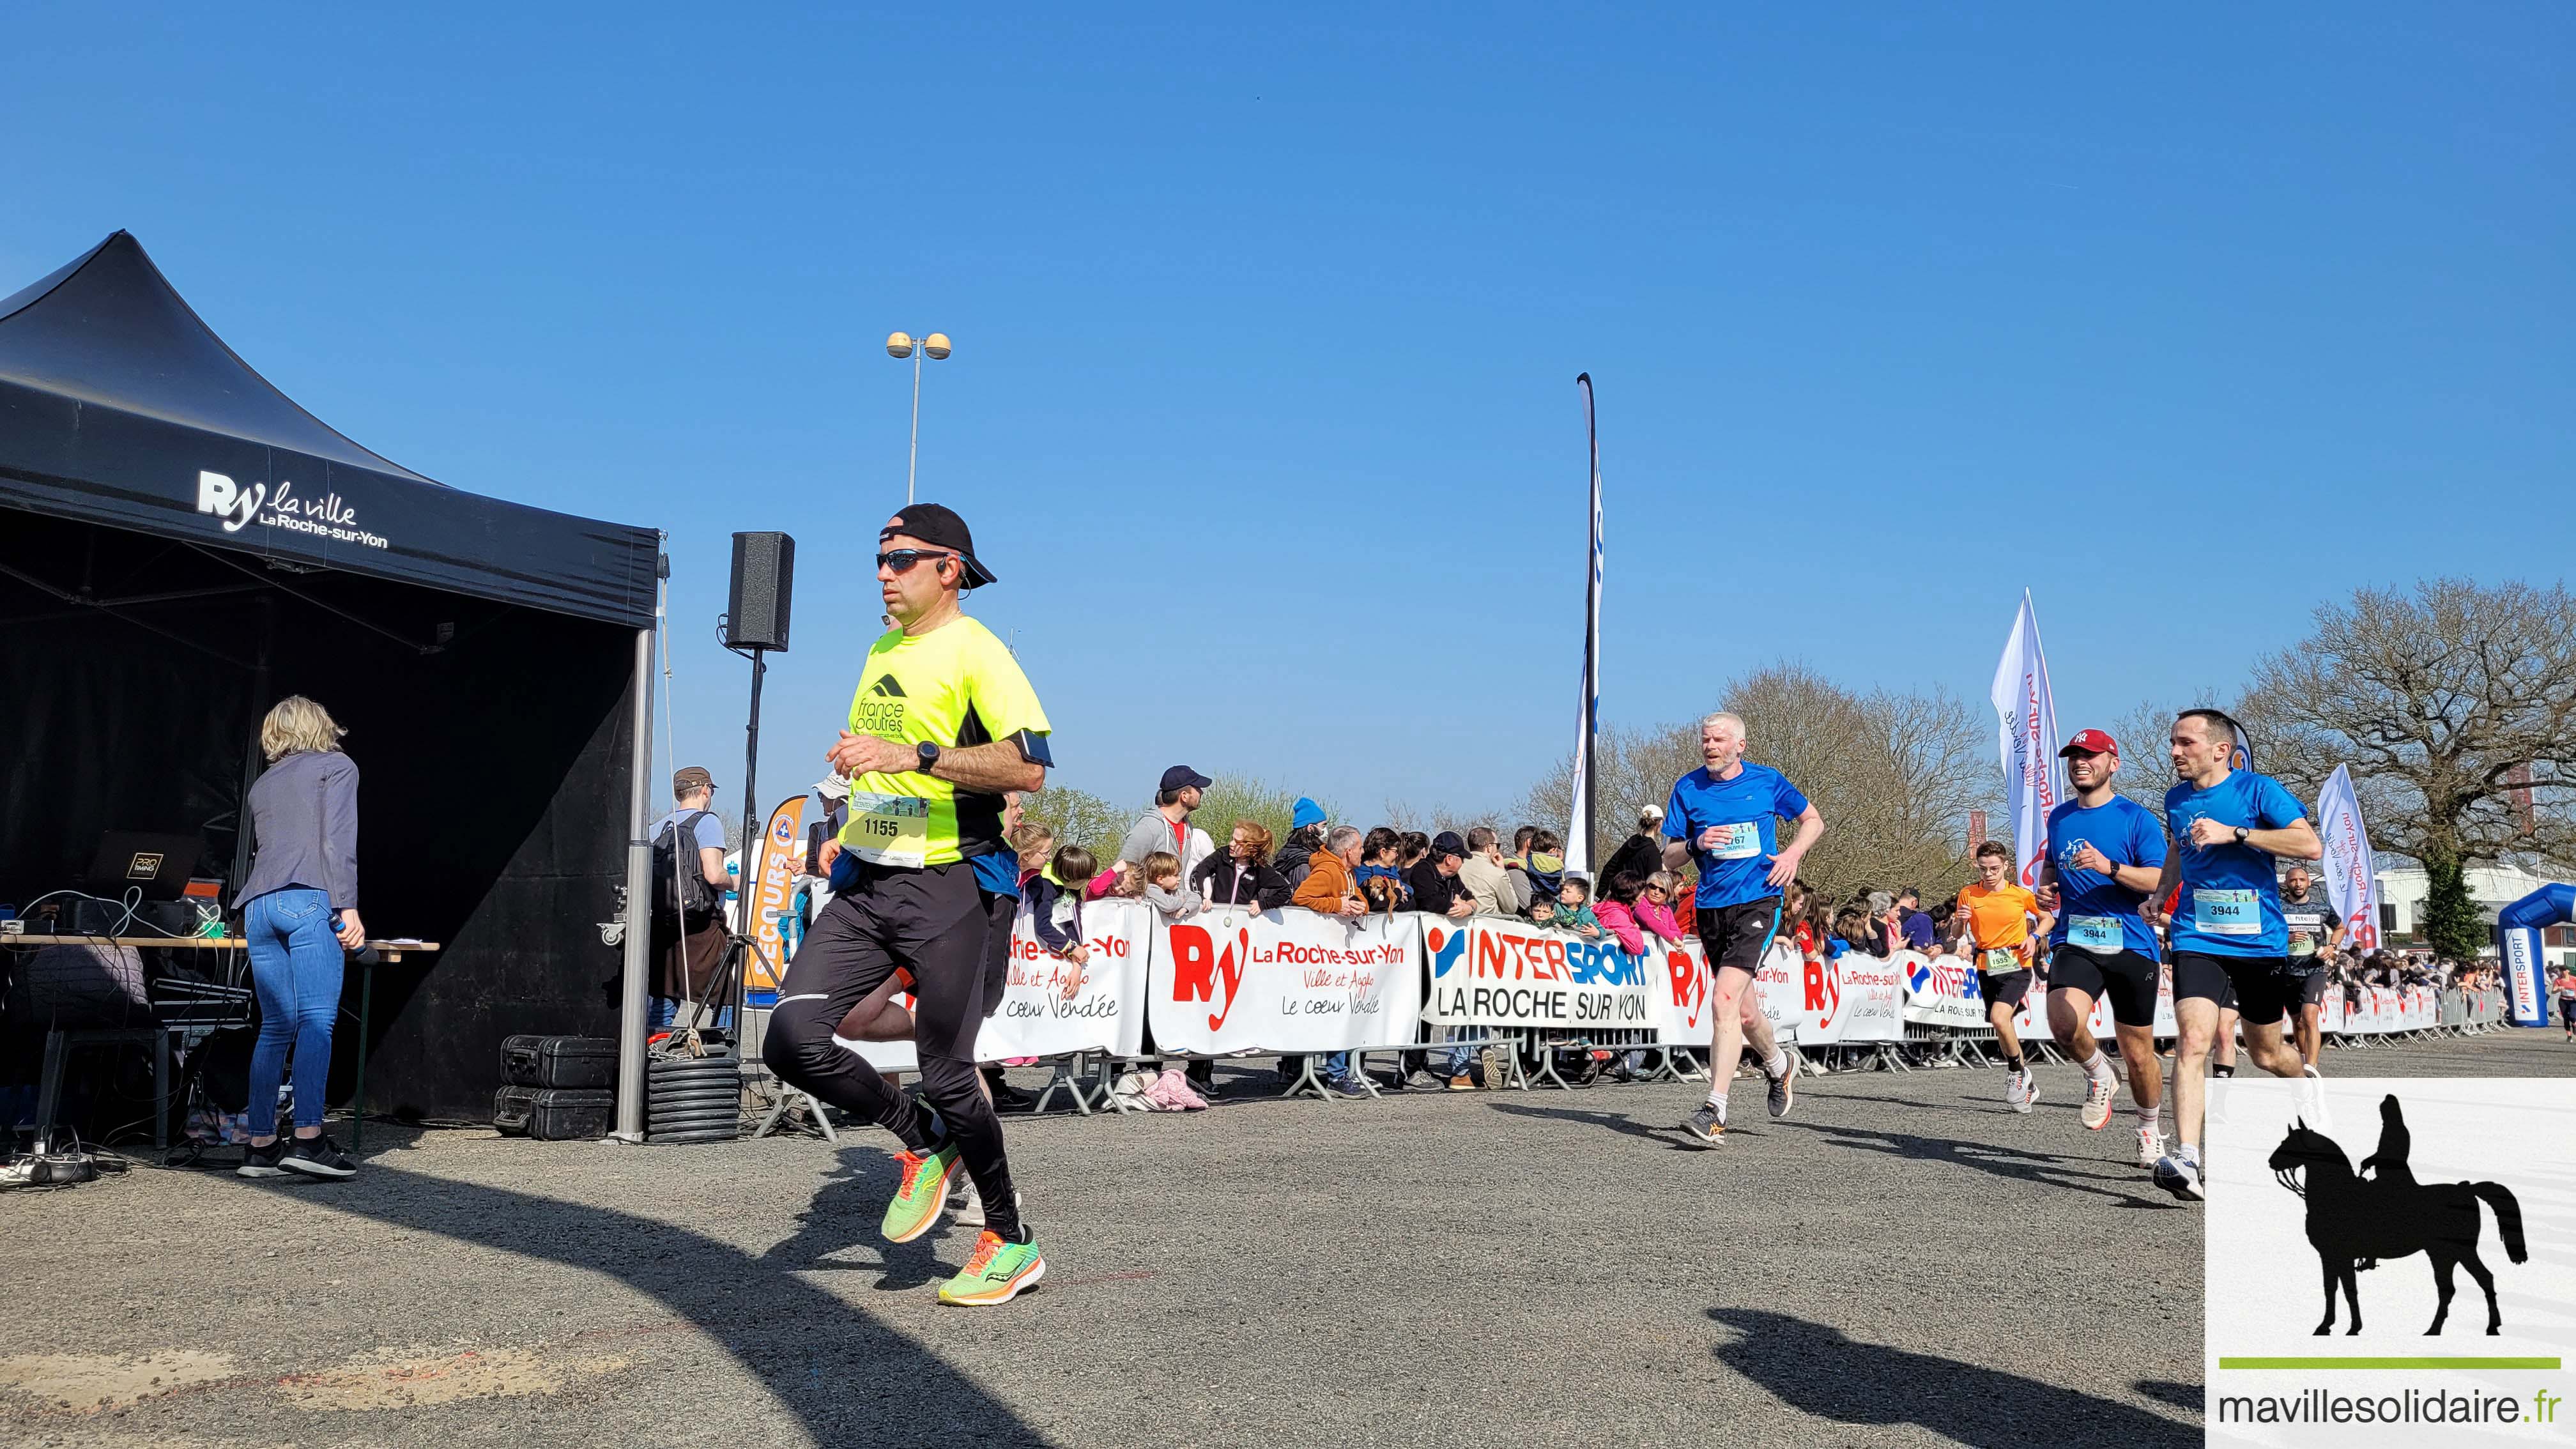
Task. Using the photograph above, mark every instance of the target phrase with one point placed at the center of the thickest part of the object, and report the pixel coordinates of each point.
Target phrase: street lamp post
(899, 345)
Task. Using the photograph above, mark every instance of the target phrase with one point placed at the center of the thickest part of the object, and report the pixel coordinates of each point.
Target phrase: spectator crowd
(1170, 862)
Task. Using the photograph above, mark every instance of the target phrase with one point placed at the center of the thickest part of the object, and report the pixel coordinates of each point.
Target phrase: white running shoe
(2179, 1176)
(2097, 1103)
(969, 1208)
(2020, 1091)
(2151, 1147)
(2312, 1073)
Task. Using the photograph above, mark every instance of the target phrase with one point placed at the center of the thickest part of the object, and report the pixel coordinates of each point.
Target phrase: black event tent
(181, 545)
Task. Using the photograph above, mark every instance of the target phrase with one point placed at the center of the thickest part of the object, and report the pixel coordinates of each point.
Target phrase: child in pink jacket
(1617, 911)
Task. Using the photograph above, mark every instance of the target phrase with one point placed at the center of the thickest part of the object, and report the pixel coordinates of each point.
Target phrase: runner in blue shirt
(1725, 817)
(2226, 824)
(2105, 852)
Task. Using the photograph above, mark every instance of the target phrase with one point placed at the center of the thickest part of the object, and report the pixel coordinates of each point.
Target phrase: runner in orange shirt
(1996, 931)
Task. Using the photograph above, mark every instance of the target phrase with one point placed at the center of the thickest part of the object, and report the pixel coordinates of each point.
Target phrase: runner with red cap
(2105, 852)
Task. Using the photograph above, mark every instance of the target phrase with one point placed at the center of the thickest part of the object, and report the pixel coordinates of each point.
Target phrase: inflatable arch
(2518, 928)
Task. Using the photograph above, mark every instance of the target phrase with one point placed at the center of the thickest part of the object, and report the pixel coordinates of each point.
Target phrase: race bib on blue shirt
(2227, 912)
(2102, 935)
(1737, 842)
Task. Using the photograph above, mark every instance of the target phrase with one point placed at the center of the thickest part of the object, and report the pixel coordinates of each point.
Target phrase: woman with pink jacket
(1655, 908)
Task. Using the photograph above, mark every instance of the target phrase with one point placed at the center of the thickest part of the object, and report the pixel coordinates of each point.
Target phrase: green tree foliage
(1231, 799)
(1079, 817)
(2450, 920)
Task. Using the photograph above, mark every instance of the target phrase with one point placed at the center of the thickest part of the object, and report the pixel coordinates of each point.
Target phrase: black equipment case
(554, 1114)
(559, 1061)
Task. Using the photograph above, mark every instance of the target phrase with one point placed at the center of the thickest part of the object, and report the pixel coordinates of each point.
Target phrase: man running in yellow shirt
(1995, 931)
(943, 724)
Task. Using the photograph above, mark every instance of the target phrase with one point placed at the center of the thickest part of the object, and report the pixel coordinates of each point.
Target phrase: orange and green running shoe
(998, 1272)
(923, 1192)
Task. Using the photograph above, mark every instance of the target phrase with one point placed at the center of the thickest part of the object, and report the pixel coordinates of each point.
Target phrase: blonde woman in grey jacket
(299, 912)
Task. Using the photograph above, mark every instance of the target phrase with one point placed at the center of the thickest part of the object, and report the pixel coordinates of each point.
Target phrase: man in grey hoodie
(1167, 826)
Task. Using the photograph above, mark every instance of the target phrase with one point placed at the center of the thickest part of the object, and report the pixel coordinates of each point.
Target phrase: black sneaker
(1007, 1098)
(262, 1161)
(1704, 1126)
(318, 1157)
(1783, 1092)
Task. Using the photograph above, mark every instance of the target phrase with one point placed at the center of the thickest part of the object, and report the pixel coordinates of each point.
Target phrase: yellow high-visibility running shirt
(956, 685)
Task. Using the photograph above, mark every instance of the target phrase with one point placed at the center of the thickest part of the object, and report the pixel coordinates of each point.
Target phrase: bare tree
(1893, 774)
(2443, 701)
(2146, 752)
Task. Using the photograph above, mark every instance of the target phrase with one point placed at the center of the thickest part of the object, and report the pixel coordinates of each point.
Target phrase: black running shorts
(2263, 987)
(2007, 987)
(2125, 979)
(1737, 935)
(2312, 989)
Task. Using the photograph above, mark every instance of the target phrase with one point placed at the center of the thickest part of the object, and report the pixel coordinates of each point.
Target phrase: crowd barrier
(1234, 982)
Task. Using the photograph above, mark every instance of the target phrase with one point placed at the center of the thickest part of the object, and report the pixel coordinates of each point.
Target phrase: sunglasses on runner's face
(901, 560)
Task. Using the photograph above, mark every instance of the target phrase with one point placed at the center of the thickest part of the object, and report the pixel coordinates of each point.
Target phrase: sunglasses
(901, 560)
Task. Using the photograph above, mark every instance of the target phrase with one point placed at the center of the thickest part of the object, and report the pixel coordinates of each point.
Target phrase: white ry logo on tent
(224, 498)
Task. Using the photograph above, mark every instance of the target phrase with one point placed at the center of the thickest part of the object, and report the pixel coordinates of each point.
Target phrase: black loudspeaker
(764, 570)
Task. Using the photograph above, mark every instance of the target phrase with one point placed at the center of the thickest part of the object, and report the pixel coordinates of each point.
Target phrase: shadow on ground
(845, 1376)
(1987, 1157)
(1819, 1370)
(1611, 1121)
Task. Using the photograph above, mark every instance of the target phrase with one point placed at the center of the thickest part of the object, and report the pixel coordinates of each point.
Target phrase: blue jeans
(295, 967)
(662, 1013)
(1337, 1066)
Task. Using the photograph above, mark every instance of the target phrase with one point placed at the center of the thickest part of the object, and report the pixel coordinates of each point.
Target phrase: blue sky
(1263, 402)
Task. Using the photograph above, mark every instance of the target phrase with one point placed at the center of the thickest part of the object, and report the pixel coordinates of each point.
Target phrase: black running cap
(940, 528)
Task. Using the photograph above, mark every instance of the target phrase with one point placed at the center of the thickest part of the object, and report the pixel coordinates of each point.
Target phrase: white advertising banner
(2027, 732)
(1035, 1019)
(1677, 976)
(1778, 982)
(2351, 872)
(1232, 980)
(1849, 999)
(1493, 971)
(2382, 1004)
(1858, 999)
(1941, 991)
(2030, 1023)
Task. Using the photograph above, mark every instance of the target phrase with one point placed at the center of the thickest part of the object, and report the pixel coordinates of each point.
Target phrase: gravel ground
(1550, 1267)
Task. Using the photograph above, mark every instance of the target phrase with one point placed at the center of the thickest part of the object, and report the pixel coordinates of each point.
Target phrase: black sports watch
(929, 754)
(2240, 830)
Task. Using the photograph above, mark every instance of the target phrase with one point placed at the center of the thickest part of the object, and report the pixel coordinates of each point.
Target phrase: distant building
(2401, 906)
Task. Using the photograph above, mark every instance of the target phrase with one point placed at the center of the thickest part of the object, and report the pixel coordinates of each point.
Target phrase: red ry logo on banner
(1824, 991)
(1198, 968)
